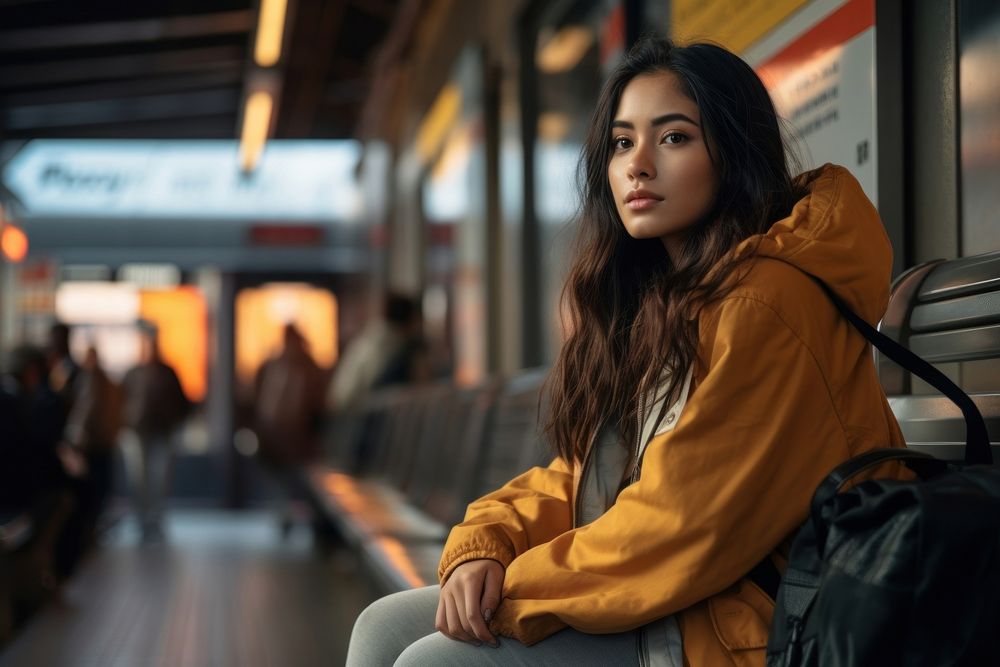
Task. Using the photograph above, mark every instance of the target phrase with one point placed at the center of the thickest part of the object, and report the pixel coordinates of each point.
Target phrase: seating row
(405, 464)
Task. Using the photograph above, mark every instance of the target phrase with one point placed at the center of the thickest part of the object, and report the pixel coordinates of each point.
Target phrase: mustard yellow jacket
(789, 390)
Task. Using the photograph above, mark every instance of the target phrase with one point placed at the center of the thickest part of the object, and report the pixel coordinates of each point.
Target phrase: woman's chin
(640, 233)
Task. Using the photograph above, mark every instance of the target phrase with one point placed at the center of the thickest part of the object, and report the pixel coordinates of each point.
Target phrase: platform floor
(223, 590)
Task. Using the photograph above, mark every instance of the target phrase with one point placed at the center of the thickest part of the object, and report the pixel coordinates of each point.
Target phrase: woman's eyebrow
(659, 120)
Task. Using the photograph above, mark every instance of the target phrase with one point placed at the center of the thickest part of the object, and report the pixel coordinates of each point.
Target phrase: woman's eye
(674, 138)
(621, 143)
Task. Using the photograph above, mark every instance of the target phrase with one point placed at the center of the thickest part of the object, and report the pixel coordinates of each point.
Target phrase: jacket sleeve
(715, 496)
(527, 511)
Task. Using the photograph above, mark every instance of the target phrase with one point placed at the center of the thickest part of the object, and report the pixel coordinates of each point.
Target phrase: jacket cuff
(472, 551)
(527, 631)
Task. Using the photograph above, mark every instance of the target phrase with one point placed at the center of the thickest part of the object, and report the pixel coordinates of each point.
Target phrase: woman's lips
(642, 203)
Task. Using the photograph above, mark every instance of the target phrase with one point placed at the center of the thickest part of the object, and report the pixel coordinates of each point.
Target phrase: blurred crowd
(63, 422)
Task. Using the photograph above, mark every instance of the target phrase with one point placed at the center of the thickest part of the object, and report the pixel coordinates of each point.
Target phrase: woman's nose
(641, 166)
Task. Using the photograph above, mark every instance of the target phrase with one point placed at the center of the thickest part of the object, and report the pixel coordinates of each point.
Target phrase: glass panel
(454, 211)
(979, 89)
(578, 43)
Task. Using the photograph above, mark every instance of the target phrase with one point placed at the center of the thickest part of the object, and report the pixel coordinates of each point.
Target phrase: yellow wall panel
(735, 24)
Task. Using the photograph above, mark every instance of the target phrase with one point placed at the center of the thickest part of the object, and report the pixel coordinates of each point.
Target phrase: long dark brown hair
(632, 313)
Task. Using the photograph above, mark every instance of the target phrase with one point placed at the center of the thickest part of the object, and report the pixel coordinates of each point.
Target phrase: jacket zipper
(634, 475)
(584, 467)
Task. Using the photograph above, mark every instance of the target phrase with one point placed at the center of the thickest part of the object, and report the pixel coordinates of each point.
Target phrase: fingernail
(495, 644)
(488, 614)
(478, 644)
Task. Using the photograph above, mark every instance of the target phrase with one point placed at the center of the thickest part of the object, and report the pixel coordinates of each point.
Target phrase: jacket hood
(835, 234)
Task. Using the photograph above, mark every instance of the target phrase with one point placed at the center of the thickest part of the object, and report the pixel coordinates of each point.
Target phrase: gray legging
(399, 630)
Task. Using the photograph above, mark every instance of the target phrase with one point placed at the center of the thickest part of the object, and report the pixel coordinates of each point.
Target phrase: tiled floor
(223, 590)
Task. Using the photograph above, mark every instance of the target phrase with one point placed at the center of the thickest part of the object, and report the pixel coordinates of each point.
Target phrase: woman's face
(660, 172)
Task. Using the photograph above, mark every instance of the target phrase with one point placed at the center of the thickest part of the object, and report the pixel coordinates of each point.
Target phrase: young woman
(706, 387)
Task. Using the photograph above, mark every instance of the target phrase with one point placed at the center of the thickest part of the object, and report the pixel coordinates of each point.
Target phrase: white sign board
(294, 181)
(820, 70)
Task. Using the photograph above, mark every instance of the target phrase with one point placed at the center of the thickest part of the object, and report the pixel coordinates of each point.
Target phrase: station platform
(224, 589)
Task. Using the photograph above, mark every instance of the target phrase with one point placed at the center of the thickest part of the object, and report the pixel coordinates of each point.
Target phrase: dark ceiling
(179, 68)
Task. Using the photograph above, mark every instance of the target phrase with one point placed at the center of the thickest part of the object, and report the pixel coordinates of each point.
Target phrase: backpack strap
(977, 439)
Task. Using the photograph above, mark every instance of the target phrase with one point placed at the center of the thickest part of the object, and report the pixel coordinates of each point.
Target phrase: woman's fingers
(472, 615)
(440, 619)
(456, 630)
(491, 591)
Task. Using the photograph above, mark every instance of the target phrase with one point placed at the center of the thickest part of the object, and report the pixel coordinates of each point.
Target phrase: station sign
(823, 82)
(819, 66)
(164, 180)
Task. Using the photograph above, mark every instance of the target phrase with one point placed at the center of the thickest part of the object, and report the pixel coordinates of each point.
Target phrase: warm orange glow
(454, 156)
(345, 491)
(396, 554)
(14, 243)
(262, 312)
(180, 317)
(256, 123)
(470, 318)
(439, 121)
(270, 27)
(563, 51)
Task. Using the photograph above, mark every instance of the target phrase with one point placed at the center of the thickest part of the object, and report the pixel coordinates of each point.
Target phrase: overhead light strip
(256, 122)
(270, 29)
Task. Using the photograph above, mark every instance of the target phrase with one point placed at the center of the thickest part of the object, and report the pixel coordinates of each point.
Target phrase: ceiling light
(270, 28)
(256, 122)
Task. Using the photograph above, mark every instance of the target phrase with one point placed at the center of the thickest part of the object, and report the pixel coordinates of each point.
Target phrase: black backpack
(895, 572)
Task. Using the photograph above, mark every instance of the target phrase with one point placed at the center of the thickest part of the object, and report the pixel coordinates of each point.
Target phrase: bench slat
(962, 345)
(960, 277)
(933, 419)
(962, 313)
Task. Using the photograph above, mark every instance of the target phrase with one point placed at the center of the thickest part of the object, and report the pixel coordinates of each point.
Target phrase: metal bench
(433, 450)
(947, 312)
(497, 444)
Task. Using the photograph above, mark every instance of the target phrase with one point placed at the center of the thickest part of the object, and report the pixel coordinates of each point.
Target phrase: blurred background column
(219, 288)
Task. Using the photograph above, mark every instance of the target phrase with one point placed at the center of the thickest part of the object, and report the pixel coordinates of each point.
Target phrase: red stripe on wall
(836, 29)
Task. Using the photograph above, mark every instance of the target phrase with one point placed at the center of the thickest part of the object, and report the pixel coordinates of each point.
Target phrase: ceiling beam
(221, 126)
(125, 88)
(383, 9)
(177, 105)
(315, 35)
(121, 32)
(118, 67)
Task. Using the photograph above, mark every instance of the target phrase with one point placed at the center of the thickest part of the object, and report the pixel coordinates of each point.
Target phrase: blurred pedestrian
(389, 350)
(30, 465)
(92, 430)
(288, 405)
(62, 369)
(154, 408)
(35, 479)
(288, 402)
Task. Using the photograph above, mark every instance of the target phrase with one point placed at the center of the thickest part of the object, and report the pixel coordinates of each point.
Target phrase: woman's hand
(468, 600)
